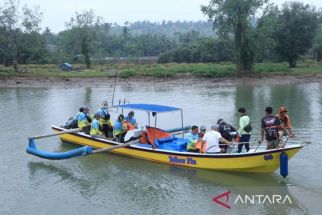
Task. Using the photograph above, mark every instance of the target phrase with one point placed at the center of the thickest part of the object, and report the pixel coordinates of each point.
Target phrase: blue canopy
(149, 107)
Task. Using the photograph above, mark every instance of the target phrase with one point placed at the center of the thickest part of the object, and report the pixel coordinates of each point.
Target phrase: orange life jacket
(129, 126)
(202, 148)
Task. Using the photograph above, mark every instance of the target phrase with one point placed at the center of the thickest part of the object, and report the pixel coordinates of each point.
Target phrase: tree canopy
(245, 32)
(296, 29)
(233, 17)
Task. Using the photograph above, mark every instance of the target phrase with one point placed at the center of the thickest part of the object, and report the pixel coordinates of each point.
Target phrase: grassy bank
(126, 70)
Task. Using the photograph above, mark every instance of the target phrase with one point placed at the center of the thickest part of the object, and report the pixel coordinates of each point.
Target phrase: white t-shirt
(212, 141)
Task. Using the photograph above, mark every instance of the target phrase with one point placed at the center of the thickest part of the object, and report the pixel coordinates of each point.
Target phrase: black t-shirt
(270, 124)
(225, 129)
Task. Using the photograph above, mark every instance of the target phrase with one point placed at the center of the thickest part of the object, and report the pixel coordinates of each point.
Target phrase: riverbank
(171, 74)
(27, 81)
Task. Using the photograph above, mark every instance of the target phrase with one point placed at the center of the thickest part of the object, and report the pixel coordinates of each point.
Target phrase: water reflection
(41, 170)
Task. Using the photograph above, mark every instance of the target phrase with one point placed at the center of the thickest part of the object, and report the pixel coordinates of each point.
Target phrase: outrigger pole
(182, 123)
(82, 151)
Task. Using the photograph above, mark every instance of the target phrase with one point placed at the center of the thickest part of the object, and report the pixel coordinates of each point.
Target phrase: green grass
(125, 70)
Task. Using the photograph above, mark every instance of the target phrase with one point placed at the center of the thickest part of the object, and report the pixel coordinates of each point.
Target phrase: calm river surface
(111, 184)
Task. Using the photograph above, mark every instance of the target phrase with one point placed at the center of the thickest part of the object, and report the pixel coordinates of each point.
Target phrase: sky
(57, 12)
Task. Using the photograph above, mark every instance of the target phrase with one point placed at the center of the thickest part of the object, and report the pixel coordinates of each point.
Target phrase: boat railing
(254, 144)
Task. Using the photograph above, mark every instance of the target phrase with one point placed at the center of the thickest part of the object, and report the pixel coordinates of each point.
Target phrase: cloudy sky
(57, 12)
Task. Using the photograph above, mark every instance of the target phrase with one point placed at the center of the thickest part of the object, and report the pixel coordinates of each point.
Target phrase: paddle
(55, 134)
(114, 147)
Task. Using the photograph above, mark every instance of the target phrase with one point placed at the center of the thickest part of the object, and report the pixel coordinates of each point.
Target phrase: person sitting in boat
(192, 138)
(211, 141)
(286, 122)
(200, 136)
(120, 128)
(105, 120)
(131, 120)
(226, 130)
(72, 121)
(84, 119)
(96, 128)
(270, 126)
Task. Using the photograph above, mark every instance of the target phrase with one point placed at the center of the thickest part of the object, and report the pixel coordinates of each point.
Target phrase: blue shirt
(192, 140)
(95, 124)
(132, 120)
(192, 137)
(117, 125)
(81, 116)
(102, 112)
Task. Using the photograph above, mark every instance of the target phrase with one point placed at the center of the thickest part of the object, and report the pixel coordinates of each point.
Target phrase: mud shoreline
(28, 82)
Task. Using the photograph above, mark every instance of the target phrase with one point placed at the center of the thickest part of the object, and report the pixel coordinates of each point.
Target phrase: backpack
(248, 128)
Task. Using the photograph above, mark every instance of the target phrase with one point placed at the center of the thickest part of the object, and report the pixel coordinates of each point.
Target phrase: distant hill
(168, 28)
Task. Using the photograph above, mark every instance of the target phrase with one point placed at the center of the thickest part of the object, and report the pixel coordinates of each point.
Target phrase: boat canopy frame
(151, 108)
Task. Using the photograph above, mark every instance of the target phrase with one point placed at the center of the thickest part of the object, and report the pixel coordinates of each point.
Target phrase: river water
(112, 184)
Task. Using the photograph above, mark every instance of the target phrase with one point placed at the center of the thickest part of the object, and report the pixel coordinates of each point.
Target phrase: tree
(14, 25)
(297, 25)
(264, 34)
(83, 27)
(317, 46)
(233, 16)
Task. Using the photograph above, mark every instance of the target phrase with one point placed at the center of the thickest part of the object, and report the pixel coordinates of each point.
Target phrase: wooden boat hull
(259, 162)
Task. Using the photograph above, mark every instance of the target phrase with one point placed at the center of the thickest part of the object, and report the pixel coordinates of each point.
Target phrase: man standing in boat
(244, 130)
(270, 126)
(211, 139)
(286, 122)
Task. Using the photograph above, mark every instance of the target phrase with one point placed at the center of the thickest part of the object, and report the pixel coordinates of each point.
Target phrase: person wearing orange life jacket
(131, 120)
(199, 144)
(285, 120)
(270, 126)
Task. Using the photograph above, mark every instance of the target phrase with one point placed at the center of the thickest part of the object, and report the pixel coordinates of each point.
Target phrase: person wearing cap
(245, 134)
(105, 121)
(226, 131)
(192, 138)
(96, 128)
(211, 141)
(84, 120)
(130, 119)
(285, 120)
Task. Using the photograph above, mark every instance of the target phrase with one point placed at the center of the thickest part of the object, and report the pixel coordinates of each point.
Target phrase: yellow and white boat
(261, 161)
(257, 160)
